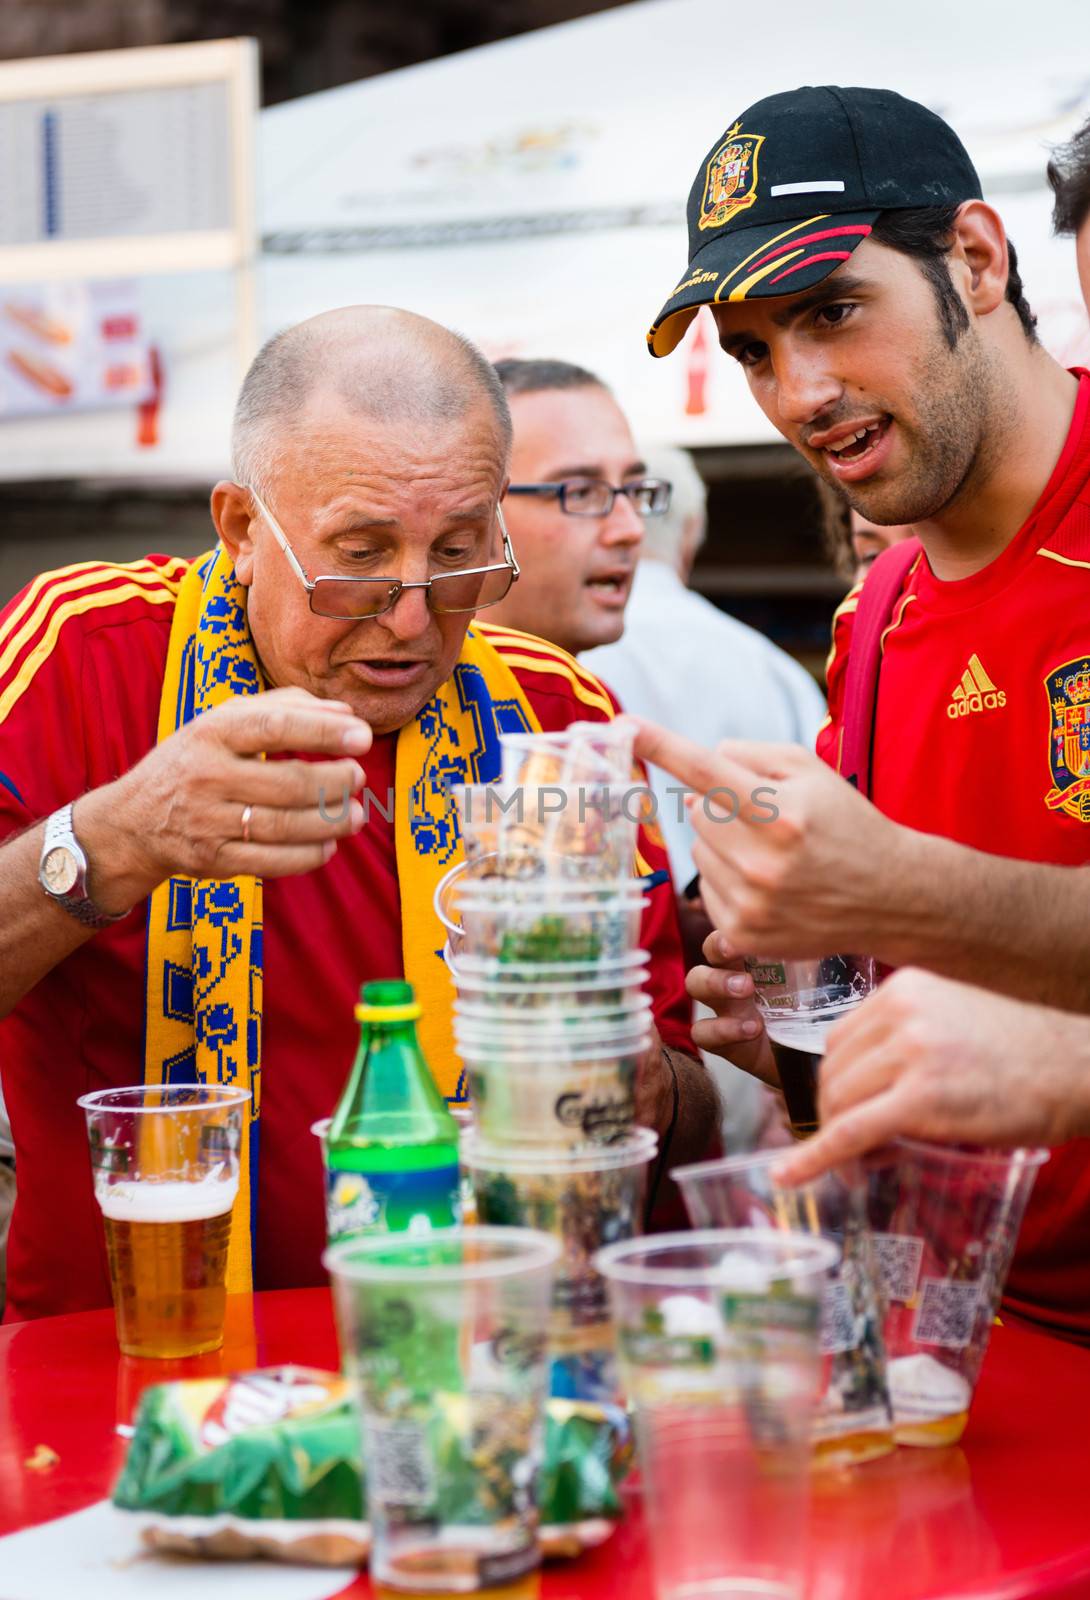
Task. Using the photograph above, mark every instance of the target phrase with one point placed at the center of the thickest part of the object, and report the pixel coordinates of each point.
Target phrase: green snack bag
(264, 1463)
(268, 1463)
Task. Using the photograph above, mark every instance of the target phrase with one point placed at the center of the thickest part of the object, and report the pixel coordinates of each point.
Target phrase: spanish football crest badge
(730, 183)
(1068, 689)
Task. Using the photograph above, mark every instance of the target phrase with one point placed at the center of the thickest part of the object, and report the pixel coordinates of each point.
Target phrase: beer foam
(167, 1202)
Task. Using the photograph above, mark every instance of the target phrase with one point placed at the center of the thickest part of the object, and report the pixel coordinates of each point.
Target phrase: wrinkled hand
(736, 1032)
(928, 1058)
(654, 1088)
(180, 809)
(791, 858)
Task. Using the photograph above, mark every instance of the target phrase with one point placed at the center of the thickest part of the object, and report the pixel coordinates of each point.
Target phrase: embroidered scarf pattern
(204, 952)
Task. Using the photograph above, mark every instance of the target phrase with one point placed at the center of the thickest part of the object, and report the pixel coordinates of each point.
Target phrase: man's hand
(736, 1032)
(188, 805)
(927, 1058)
(791, 859)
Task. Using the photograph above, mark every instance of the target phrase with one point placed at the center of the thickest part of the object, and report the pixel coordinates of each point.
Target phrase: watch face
(60, 869)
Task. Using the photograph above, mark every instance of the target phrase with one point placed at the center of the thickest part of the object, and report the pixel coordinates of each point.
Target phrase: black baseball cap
(795, 184)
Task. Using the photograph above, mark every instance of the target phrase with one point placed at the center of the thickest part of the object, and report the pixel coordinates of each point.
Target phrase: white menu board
(127, 161)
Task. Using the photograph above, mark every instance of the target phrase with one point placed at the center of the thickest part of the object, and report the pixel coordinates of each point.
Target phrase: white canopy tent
(531, 194)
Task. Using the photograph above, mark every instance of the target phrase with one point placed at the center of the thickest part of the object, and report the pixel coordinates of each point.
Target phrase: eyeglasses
(353, 599)
(593, 497)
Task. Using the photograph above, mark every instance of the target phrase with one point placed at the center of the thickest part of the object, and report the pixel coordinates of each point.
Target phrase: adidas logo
(975, 692)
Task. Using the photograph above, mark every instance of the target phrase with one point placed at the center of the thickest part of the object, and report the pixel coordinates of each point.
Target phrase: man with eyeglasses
(576, 504)
(215, 875)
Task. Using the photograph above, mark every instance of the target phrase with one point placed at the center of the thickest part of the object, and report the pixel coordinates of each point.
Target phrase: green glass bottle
(392, 1146)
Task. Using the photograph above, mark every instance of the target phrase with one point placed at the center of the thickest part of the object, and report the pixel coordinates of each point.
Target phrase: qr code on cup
(947, 1312)
(399, 1468)
(837, 1320)
(898, 1256)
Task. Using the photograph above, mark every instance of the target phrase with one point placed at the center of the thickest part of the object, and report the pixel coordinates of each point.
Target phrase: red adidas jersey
(982, 734)
(82, 657)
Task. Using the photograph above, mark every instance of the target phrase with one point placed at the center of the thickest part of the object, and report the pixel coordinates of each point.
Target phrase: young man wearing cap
(853, 270)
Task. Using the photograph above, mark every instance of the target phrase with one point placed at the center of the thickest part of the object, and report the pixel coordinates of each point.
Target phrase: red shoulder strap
(873, 614)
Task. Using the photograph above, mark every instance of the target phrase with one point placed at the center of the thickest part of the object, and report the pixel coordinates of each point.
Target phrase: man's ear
(980, 247)
(233, 515)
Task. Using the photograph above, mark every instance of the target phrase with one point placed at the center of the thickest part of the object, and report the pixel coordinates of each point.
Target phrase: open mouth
(389, 672)
(611, 588)
(858, 453)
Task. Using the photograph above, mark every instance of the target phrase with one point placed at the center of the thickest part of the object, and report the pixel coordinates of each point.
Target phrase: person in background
(576, 505)
(683, 662)
(853, 543)
(1069, 175)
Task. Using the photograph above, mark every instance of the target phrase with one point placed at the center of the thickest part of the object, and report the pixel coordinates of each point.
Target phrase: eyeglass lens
(355, 598)
(593, 497)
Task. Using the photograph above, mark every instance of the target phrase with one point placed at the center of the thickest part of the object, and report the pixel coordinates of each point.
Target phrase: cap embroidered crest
(730, 183)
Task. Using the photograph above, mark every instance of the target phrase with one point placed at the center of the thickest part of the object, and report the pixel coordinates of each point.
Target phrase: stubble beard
(952, 441)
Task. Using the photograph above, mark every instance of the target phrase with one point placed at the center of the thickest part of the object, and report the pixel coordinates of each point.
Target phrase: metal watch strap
(59, 831)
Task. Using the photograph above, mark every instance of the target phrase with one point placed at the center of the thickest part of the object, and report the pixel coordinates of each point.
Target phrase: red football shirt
(982, 734)
(82, 656)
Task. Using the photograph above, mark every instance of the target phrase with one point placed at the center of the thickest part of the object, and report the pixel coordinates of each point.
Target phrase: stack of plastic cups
(551, 1019)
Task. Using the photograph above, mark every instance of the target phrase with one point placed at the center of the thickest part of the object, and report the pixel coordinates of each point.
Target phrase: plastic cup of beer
(854, 1421)
(799, 1001)
(165, 1165)
(717, 1335)
(444, 1335)
(944, 1222)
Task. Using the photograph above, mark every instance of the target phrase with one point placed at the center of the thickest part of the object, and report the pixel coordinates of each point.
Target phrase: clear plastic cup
(567, 833)
(549, 1001)
(539, 920)
(584, 752)
(554, 1101)
(799, 1001)
(444, 1337)
(165, 1160)
(585, 1199)
(485, 981)
(717, 1334)
(553, 928)
(498, 975)
(854, 1421)
(944, 1222)
(555, 1026)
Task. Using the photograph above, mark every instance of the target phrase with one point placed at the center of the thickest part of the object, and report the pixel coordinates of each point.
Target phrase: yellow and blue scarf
(204, 955)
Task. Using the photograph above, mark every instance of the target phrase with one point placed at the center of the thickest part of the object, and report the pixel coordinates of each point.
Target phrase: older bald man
(198, 876)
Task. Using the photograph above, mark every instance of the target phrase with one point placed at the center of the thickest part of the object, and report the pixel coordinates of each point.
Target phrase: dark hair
(520, 376)
(1069, 174)
(926, 233)
(834, 515)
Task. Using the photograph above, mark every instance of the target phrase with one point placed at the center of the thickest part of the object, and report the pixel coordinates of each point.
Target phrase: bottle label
(409, 1201)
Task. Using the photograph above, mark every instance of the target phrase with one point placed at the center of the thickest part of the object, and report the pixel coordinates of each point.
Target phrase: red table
(1005, 1514)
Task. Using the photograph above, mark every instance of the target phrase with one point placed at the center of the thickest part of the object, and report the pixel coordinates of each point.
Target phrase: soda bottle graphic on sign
(392, 1146)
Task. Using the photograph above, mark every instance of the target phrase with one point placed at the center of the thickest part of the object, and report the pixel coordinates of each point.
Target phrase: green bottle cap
(390, 1000)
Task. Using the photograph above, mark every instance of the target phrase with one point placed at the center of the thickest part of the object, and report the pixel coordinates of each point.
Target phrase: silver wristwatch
(62, 873)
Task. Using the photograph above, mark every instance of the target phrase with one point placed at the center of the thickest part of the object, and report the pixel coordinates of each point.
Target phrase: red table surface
(1002, 1515)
